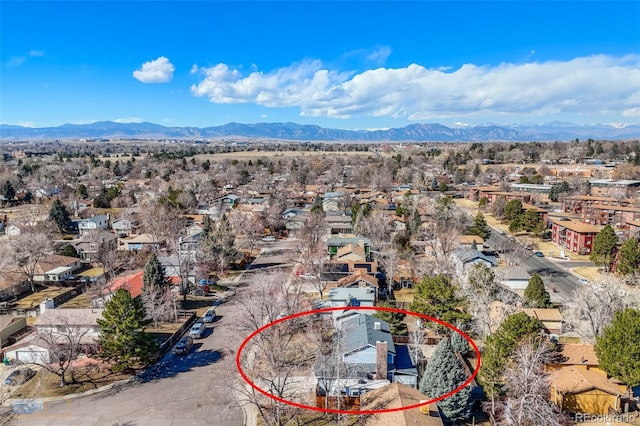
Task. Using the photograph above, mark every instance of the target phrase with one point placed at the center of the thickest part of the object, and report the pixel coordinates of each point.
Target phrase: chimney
(381, 360)
(46, 304)
(377, 325)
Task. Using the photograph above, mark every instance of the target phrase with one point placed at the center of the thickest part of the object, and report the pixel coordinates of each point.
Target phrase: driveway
(190, 390)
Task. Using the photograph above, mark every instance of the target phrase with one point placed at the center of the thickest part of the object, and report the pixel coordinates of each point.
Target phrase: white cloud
(379, 55)
(128, 120)
(156, 71)
(16, 61)
(583, 85)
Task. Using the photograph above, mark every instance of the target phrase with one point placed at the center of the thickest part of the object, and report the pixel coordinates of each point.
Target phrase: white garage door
(31, 356)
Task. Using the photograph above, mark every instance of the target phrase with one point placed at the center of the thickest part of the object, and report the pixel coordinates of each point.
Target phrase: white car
(583, 281)
(197, 330)
(269, 239)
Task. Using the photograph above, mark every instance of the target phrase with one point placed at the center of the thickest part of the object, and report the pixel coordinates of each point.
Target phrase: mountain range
(554, 131)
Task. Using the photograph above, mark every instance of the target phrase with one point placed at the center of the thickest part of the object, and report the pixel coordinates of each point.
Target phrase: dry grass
(404, 295)
(551, 249)
(249, 155)
(45, 384)
(82, 301)
(33, 300)
(92, 273)
(588, 272)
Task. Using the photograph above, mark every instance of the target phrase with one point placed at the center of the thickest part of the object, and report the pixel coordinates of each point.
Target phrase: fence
(164, 347)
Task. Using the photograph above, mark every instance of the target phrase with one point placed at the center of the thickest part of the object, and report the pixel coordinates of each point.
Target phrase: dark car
(183, 346)
(19, 376)
(539, 254)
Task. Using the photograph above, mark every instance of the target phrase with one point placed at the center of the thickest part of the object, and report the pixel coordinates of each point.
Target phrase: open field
(248, 155)
(588, 272)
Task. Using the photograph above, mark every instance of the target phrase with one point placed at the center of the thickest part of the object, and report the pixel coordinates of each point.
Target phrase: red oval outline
(356, 308)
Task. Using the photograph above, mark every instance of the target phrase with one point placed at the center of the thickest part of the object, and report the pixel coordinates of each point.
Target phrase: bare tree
(158, 302)
(277, 354)
(595, 304)
(24, 251)
(527, 402)
(65, 338)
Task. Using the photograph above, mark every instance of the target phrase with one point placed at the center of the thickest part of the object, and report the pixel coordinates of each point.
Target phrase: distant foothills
(554, 131)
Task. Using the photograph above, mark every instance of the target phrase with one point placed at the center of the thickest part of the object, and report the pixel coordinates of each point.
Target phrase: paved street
(195, 389)
(554, 272)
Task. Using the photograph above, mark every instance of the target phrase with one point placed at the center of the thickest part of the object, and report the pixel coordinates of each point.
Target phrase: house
(47, 192)
(190, 243)
(339, 224)
(362, 337)
(123, 227)
(289, 213)
(335, 242)
(138, 242)
(578, 390)
(12, 230)
(133, 283)
(359, 278)
(516, 278)
(92, 224)
(230, 200)
(54, 323)
(331, 201)
(463, 258)
(577, 355)
(56, 268)
(13, 282)
(575, 236)
(550, 318)
(90, 244)
(469, 241)
(397, 395)
(350, 252)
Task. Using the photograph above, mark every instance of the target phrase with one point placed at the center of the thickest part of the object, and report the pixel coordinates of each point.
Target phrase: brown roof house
(397, 395)
(577, 390)
(56, 268)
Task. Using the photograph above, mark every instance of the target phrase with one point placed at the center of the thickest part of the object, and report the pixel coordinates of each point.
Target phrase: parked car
(308, 276)
(583, 281)
(19, 376)
(210, 315)
(197, 330)
(269, 239)
(502, 232)
(538, 253)
(183, 346)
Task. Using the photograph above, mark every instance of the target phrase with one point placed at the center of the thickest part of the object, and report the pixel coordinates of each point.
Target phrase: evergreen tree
(535, 295)
(60, 215)
(604, 246)
(618, 348)
(443, 374)
(512, 209)
(394, 319)
(629, 257)
(474, 245)
(81, 191)
(459, 343)
(480, 227)
(154, 274)
(69, 250)
(436, 297)
(8, 192)
(122, 334)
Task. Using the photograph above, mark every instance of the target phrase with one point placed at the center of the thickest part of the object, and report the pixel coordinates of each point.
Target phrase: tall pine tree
(436, 297)
(629, 257)
(604, 246)
(154, 274)
(618, 348)
(443, 374)
(8, 192)
(122, 334)
(60, 215)
(480, 227)
(535, 295)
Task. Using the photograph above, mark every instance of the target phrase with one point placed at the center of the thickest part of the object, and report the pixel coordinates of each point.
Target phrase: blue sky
(339, 64)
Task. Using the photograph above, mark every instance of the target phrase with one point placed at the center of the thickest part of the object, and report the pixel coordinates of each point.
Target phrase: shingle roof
(576, 380)
(359, 332)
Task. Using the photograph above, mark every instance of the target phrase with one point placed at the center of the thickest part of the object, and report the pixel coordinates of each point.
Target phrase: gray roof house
(464, 257)
(359, 335)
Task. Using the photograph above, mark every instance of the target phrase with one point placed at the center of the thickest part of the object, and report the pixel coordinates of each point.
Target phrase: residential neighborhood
(386, 276)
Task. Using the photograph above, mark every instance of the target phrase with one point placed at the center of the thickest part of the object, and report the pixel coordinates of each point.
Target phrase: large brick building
(574, 236)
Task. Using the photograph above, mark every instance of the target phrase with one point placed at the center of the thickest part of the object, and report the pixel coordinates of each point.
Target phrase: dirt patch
(404, 295)
(46, 384)
(34, 300)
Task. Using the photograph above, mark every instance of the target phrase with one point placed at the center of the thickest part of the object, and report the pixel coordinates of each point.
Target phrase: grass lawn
(46, 384)
(589, 272)
(165, 329)
(92, 273)
(33, 300)
(80, 301)
(404, 295)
